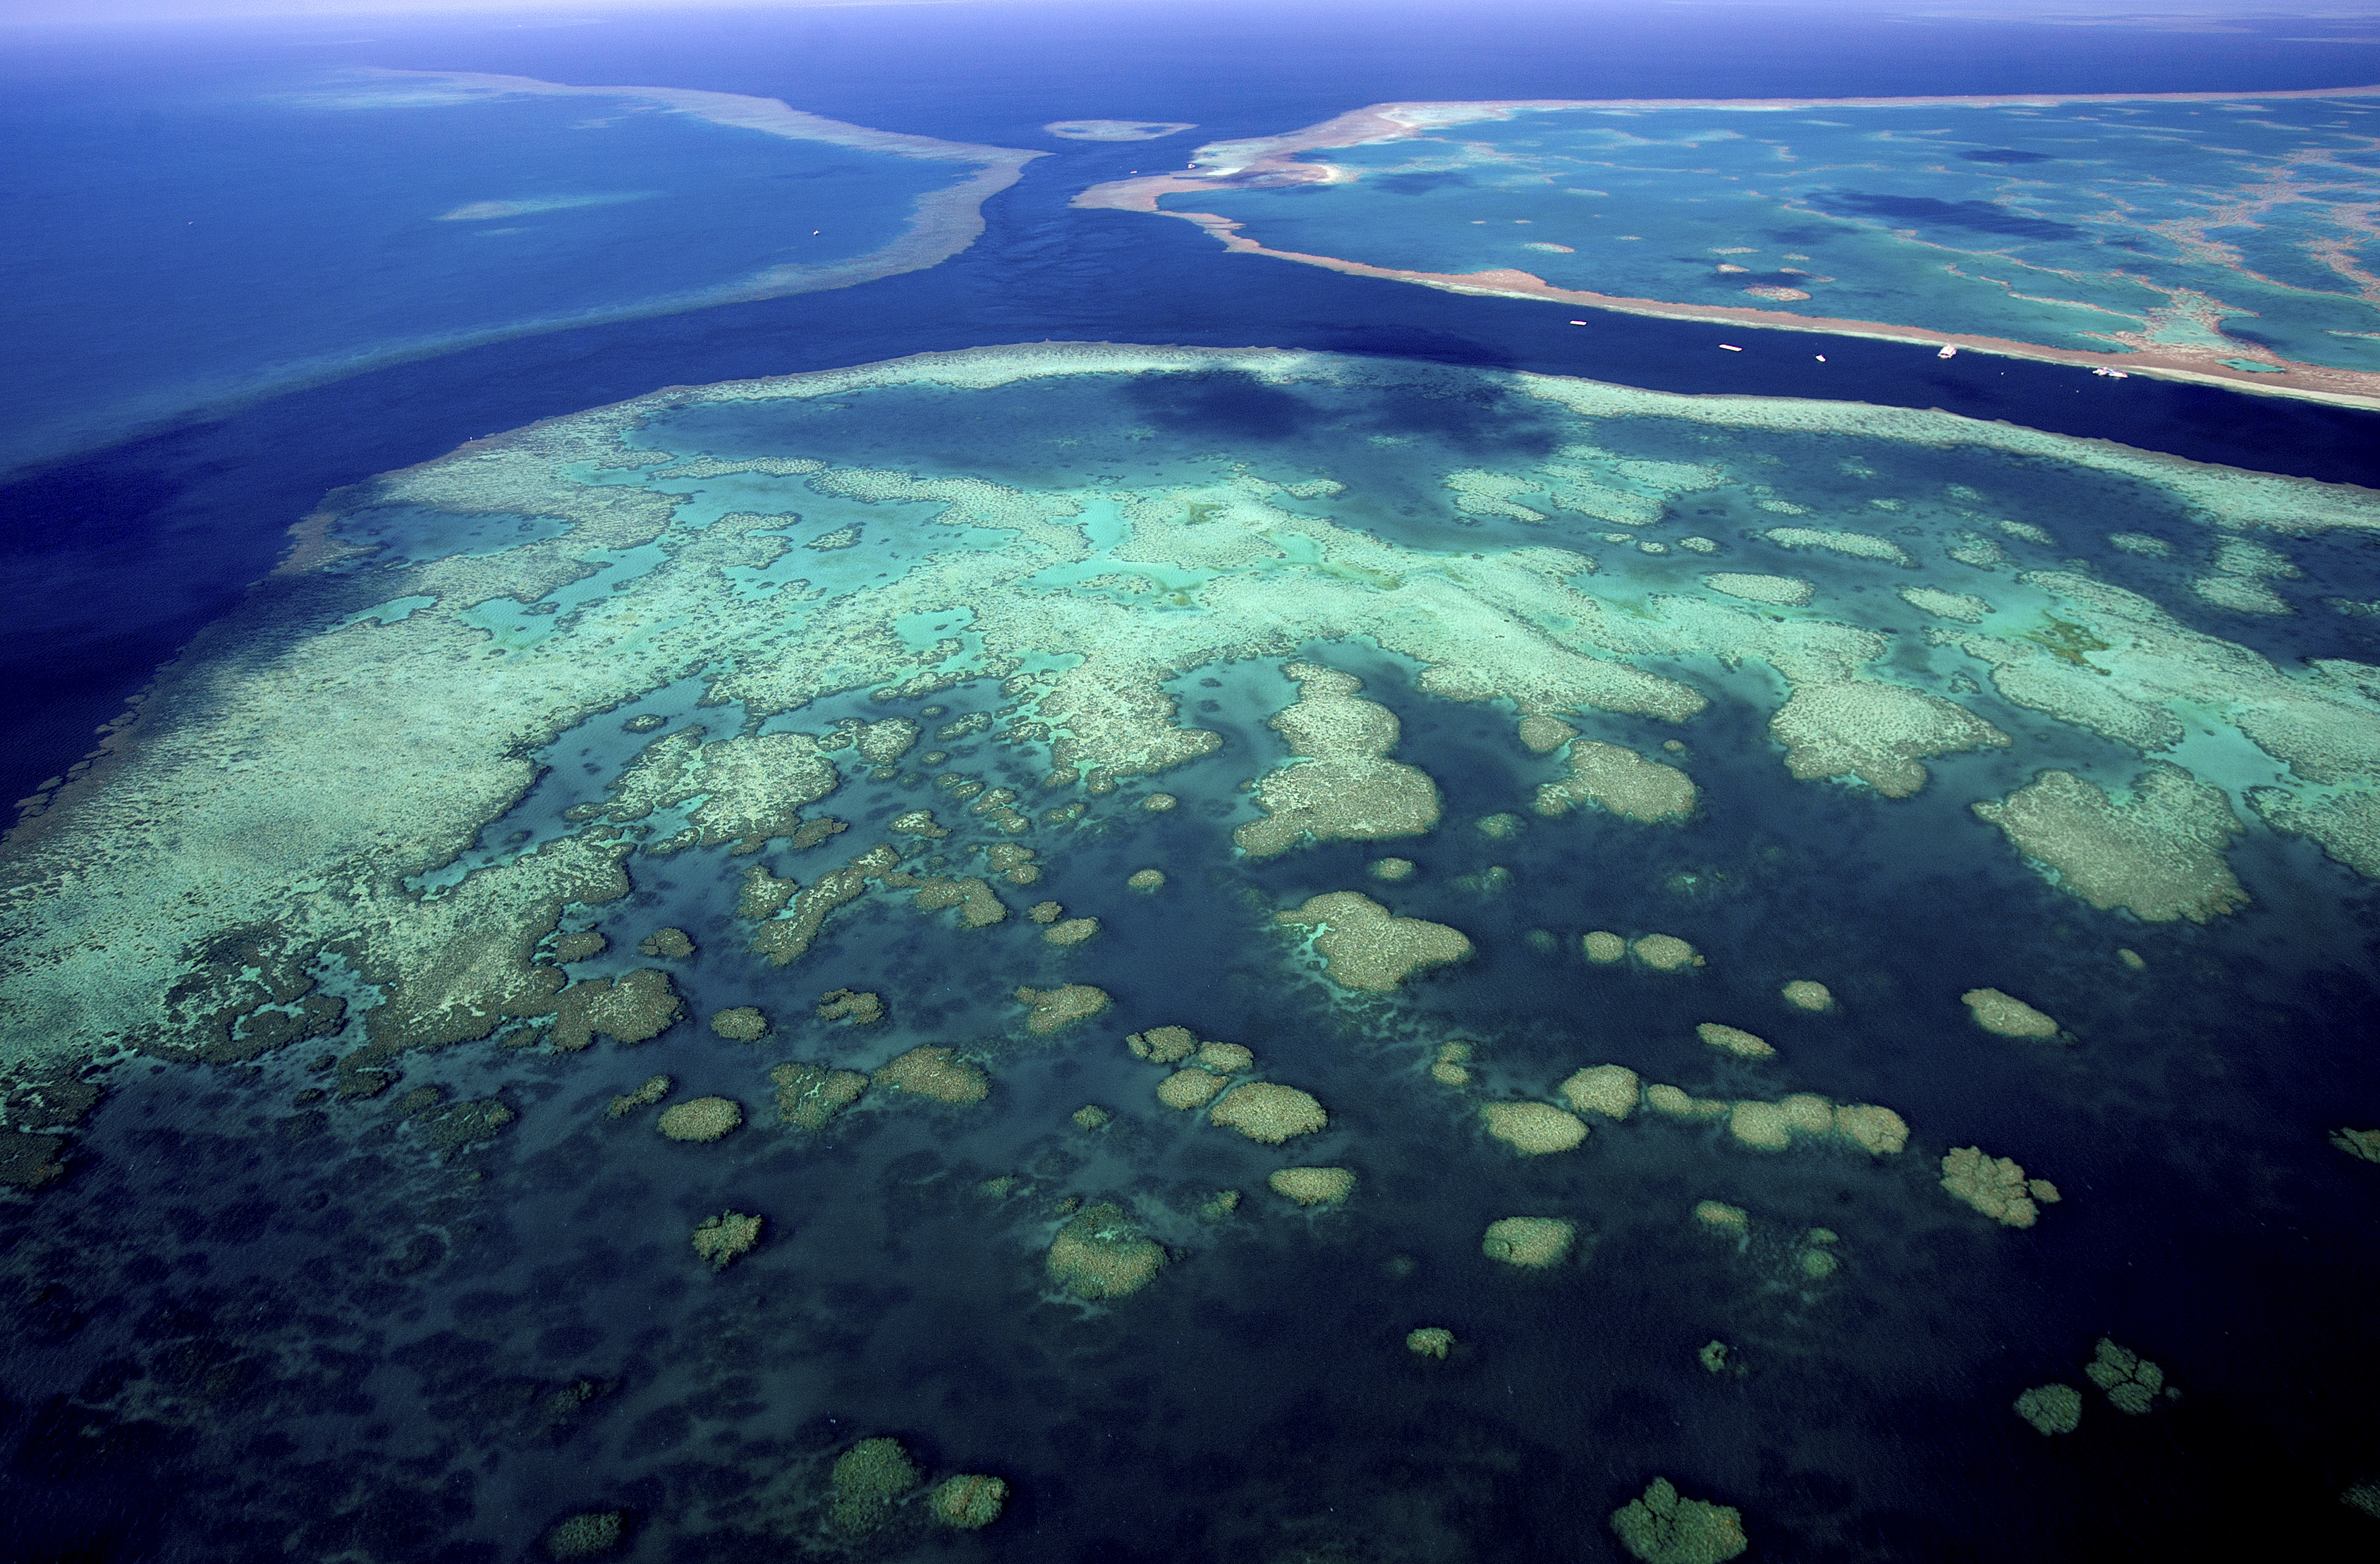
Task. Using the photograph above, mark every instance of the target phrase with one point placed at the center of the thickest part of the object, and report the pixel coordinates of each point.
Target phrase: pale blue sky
(2331, 19)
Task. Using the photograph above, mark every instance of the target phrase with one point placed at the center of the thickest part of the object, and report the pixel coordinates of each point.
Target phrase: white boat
(1947, 353)
(1728, 347)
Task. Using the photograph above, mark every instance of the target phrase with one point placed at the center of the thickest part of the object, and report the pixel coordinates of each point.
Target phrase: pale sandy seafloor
(743, 802)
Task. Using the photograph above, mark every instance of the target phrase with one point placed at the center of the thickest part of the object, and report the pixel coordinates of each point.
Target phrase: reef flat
(263, 820)
(858, 873)
(2219, 237)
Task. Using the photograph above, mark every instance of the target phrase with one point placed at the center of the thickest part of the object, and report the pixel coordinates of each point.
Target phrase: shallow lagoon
(414, 1353)
(2138, 225)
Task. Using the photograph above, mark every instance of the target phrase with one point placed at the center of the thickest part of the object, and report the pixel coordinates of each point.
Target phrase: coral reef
(1804, 993)
(1452, 1066)
(1190, 1088)
(866, 1481)
(1619, 781)
(590, 1535)
(1543, 735)
(979, 908)
(1875, 731)
(1045, 913)
(1678, 1105)
(1100, 1253)
(1053, 1009)
(2365, 1144)
(1429, 1342)
(1665, 952)
(937, 1073)
(699, 1119)
(1946, 605)
(1013, 862)
(968, 1501)
(655, 1088)
(742, 1025)
(1734, 1040)
(1391, 870)
(2160, 855)
(1858, 545)
(1364, 946)
(809, 1095)
(752, 789)
(1530, 1243)
(1313, 1186)
(1071, 931)
(788, 936)
(1146, 879)
(1996, 1188)
(2006, 1015)
(1609, 1089)
(2237, 580)
(2053, 1409)
(634, 1008)
(847, 1004)
(1874, 1129)
(108, 941)
(1091, 1115)
(1533, 1129)
(1342, 783)
(2116, 662)
(884, 744)
(1661, 1527)
(1734, 1220)
(721, 1238)
(1270, 1113)
(1604, 948)
(2130, 1380)
(672, 943)
(1225, 1059)
(1762, 1124)
(1163, 1045)
(1779, 591)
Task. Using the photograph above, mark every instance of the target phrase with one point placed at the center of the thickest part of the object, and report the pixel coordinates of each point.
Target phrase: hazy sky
(2188, 14)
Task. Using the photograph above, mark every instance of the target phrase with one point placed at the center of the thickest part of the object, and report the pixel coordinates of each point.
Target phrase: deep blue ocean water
(115, 556)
